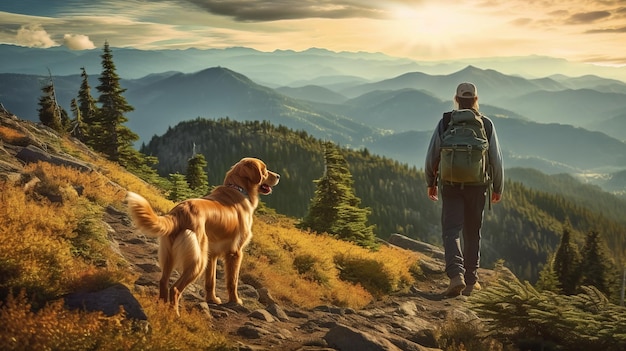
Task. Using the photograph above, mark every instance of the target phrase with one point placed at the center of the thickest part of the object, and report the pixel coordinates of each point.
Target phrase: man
(463, 204)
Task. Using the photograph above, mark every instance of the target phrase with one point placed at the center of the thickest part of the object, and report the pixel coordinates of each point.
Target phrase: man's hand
(495, 198)
(432, 193)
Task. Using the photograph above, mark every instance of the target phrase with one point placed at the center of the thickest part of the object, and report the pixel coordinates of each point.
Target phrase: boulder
(107, 301)
(33, 154)
(416, 245)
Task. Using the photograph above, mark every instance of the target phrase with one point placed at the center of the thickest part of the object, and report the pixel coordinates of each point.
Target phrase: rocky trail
(407, 321)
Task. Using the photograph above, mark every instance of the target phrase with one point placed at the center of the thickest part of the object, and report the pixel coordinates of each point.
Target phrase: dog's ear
(255, 170)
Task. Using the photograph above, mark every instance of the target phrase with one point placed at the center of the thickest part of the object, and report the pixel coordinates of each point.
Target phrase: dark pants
(462, 212)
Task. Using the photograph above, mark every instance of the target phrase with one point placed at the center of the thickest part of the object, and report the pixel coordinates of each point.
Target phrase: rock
(265, 297)
(425, 337)
(432, 267)
(108, 301)
(252, 331)
(262, 315)
(407, 308)
(297, 314)
(277, 312)
(248, 291)
(346, 338)
(203, 307)
(33, 154)
(329, 309)
(416, 245)
(149, 267)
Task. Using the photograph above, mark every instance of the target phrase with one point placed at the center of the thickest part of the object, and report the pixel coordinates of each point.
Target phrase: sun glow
(433, 29)
(434, 19)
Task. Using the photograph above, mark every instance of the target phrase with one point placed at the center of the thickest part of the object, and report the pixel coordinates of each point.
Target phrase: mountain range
(556, 123)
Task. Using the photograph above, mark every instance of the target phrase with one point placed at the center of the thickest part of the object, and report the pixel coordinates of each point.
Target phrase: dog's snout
(277, 176)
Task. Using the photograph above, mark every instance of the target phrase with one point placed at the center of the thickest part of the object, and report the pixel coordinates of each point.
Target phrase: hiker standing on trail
(465, 162)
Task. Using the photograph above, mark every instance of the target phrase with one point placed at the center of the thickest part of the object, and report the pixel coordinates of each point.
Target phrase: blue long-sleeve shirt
(433, 156)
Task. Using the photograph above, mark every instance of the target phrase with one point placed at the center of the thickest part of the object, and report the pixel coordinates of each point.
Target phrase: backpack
(464, 149)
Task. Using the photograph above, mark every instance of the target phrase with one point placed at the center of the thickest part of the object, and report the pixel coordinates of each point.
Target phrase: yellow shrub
(118, 178)
(299, 267)
(33, 252)
(56, 328)
(12, 136)
(48, 248)
(190, 331)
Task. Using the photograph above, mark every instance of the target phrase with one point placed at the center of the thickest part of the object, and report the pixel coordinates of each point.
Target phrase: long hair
(465, 103)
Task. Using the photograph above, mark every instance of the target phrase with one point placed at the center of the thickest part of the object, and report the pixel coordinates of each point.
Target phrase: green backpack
(464, 149)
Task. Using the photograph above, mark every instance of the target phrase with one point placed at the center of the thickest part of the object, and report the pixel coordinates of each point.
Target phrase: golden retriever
(197, 232)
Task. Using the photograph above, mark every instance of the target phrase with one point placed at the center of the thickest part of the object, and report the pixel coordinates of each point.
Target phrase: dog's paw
(214, 300)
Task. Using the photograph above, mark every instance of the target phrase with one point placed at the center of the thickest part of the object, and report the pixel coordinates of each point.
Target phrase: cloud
(274, 10)
(77, 42)
(588, 17)
(33, 35)
(607, 30)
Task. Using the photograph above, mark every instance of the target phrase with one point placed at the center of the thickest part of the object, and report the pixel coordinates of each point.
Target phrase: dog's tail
(146, 219)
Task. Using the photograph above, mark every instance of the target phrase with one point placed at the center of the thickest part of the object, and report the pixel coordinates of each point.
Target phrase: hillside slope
(77, 248)
(282, 305)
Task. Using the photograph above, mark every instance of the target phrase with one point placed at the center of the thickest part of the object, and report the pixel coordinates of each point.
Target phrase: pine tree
(88, 112)
(179, 188)
(334, 208)
(548, 280)
(49, 110)
(567, 262)
(66, 121)
(78, 128)
(117, 139)
(596, 269)
(196, 176)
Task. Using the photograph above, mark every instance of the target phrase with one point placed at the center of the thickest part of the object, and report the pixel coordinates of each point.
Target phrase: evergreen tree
(196, 176)
(334, 208)
(49, 109)
(117, 139)
(78, 128)
(179, 188)
(567, 262)
(548, 280)
(66, 121)
(596, 268)
(88, 112)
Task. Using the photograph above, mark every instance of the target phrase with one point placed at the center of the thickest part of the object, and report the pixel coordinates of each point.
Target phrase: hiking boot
(457, 284)
(468, 289)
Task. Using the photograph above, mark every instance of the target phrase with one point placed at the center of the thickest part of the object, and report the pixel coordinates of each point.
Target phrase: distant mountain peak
(471, 69)
(222, 72)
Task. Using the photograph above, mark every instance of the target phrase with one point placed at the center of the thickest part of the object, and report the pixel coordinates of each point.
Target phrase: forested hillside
(523, 230)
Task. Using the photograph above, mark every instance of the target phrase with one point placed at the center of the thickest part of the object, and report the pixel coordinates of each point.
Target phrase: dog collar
(240, 189)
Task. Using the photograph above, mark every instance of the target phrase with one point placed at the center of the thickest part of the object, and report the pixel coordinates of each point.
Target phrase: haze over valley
(555, 123)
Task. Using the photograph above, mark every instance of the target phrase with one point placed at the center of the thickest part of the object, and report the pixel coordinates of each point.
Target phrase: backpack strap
(447, 117)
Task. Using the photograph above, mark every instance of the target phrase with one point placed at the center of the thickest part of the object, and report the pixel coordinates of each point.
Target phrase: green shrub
(515, 312)
(457, 335)
(309, 267)
(369, 273)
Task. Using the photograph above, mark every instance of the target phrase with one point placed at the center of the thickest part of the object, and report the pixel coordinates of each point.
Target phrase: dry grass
(55, 328)
(280, 255)
(48, 248)
(12, 136)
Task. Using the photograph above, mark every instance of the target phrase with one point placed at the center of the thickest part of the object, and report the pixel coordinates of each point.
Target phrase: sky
(423, 30)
